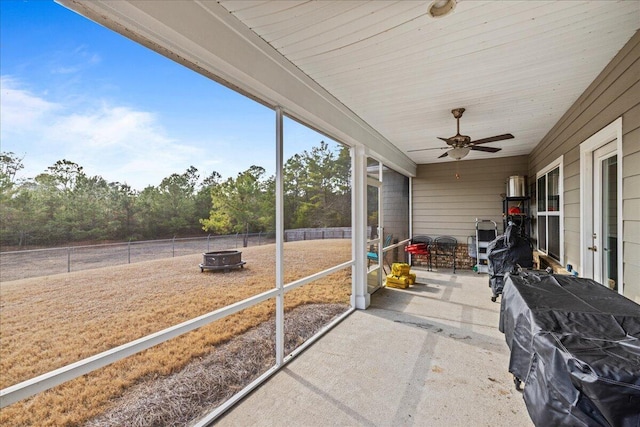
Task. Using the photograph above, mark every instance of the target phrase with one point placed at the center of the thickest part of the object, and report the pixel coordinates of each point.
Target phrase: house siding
(444, 204)
(614, 93)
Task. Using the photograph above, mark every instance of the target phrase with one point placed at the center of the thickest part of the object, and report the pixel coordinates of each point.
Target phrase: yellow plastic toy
(401, 276)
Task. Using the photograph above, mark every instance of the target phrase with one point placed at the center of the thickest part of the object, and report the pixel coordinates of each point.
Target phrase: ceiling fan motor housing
(457, 112)
(459, 141)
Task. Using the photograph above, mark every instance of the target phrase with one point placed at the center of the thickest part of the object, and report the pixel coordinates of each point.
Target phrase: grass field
(51, 321)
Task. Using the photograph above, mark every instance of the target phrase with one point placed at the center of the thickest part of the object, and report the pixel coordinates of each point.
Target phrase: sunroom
(552, 88)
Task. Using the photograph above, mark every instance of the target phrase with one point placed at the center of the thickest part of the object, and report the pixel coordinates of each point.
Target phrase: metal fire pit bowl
(221, 260)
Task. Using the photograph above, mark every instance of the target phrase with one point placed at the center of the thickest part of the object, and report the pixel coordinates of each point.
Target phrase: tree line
(65, 205)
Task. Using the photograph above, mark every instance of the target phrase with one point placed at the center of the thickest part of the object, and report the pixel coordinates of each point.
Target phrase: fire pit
(221, 260)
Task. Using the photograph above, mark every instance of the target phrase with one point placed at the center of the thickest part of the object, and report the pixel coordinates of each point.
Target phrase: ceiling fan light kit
(458, 153)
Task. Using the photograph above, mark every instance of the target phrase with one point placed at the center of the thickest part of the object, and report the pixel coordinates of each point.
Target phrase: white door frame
(379, 240)
(360, 298)
(611, 132)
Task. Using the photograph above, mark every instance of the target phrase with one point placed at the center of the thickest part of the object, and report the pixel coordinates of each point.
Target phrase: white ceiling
(516, 66)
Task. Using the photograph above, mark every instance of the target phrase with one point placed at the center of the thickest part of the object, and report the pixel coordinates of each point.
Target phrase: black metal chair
(428, 242)
(445, 246)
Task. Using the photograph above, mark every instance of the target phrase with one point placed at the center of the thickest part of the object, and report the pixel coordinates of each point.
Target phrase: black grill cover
(505, 254)
(576, 345)
(508, 251)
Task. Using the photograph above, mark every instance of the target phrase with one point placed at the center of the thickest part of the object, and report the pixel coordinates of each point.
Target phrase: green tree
(203, 195)
(90, 217)
(11, 200)
(66, 204)
(123, 209)
(48, 201)
(317, 188)
(170, 208)
(148, 212)
(10, 165)
(66, 174)
(177, 202)
(242, 205)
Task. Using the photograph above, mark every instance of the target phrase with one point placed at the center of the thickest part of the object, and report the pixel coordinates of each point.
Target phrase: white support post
(279, 240)
(410, 215)
(360, 297)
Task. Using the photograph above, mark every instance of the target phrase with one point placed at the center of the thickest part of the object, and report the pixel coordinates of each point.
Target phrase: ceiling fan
(462, 144)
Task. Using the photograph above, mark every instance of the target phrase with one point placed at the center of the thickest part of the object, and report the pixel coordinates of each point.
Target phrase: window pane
(554, 237)
(542, 232)
(395, 199)
(554, 190)
(373, 168)
(610, 220)
(372, 212)
(542, 193)
(317, 201)
(395, 190)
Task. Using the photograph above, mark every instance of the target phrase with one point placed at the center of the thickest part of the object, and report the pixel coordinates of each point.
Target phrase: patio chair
(421, 245)
(445, 246)
(372, 255)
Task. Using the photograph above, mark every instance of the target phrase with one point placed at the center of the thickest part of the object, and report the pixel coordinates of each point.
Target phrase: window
(549, 208)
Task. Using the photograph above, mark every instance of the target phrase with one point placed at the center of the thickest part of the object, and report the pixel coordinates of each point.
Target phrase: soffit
(515, 66)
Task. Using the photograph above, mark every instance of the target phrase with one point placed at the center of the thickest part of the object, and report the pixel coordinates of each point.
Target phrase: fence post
(173, 247)
(129, 252)
(259, 237)
(68, 259)
(208, 241)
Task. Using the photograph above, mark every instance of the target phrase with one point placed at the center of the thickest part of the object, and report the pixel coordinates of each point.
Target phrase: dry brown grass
(51, 321)
(205, 383)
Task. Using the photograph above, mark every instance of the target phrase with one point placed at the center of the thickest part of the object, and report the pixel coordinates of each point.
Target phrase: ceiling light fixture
(440, 8)
(458, 152)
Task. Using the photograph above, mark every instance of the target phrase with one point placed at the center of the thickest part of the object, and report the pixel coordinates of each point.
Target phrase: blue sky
(72, 89)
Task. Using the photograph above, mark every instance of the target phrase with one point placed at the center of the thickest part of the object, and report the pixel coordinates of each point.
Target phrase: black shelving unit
(522, 220)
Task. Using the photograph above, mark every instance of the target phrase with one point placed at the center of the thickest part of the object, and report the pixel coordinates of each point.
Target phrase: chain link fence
(41, 262)
(16, 265)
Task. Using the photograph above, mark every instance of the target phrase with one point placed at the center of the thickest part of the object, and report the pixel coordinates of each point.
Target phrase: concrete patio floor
(430, 355)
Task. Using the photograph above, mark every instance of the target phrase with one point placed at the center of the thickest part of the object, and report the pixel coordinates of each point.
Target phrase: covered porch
(427, 355)
(430, 354)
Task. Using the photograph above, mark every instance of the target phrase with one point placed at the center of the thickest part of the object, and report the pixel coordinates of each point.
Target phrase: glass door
(601, 208)
(605, 216)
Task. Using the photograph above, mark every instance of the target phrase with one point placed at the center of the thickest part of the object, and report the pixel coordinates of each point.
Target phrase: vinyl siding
(446, 205)
(614, 93)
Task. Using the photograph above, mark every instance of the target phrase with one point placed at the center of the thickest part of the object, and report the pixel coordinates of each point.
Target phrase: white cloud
(21, 110)
(120, 144)
(116, 142)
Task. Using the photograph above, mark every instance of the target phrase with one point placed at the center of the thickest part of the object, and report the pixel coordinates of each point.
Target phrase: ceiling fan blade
(493, 139)
(443, 155)
(425, 149)
(487, 149)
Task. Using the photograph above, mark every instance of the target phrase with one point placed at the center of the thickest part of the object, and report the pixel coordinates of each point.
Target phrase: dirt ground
(51, 321)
